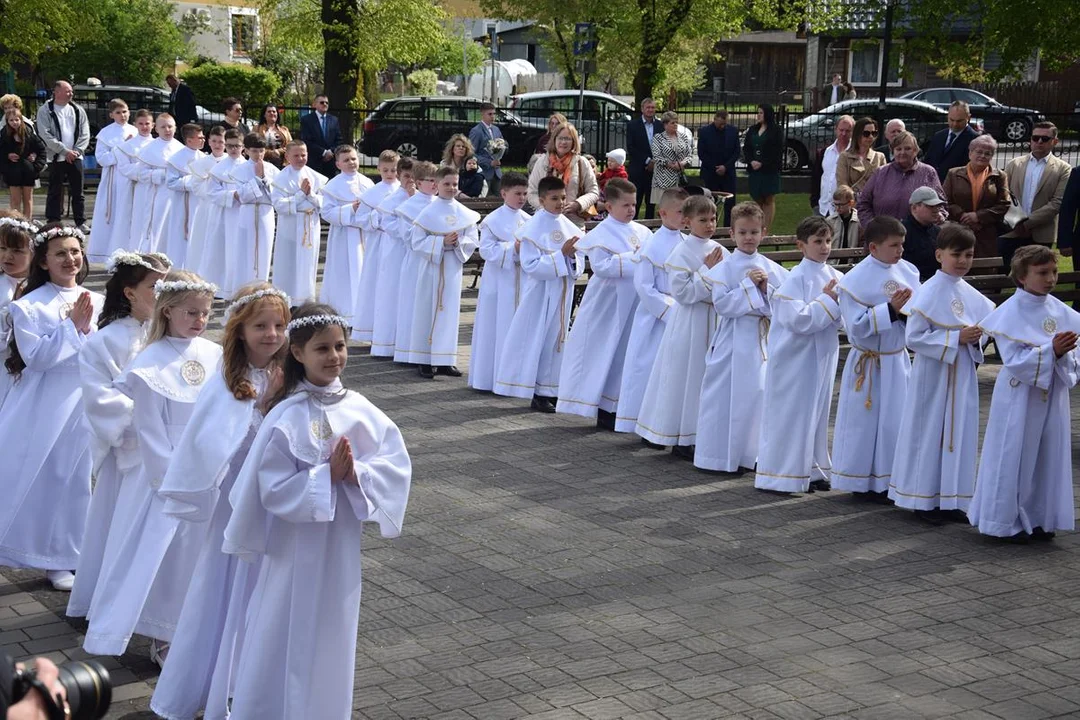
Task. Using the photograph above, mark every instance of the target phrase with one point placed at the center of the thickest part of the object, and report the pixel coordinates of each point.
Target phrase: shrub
(423, 82)
(211, 84)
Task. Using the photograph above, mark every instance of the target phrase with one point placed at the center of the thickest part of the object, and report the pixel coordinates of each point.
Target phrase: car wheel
(1017, 130)
(795, 157)
(407, 148)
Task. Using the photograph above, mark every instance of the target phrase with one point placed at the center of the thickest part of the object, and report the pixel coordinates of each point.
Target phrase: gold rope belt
(305, 241)
(562, 318)
(438, 301)
(864, 370)
(255, 211)
(764, 323)
(106, 177)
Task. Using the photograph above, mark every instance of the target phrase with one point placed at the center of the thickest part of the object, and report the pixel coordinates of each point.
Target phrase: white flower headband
(317, 321)
(170, 286)
(126, 257)
(20, 224)
(245, 299)
(56, 232)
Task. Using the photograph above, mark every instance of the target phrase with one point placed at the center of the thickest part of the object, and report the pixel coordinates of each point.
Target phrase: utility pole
(886, 50)
(494, 54)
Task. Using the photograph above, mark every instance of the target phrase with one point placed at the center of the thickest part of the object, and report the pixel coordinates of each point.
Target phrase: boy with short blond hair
(391, 255)
(151, 200)
(181, 184)
(297, 196)
(200, 177)
(411, 263)
(345, 243)
(252, 248)
(112, 184)
(371, 225)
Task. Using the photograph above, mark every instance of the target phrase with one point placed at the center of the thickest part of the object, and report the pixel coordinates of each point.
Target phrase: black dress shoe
(450, 370)
(605, 420)
(956, 516)
(881, 498)
(652, 445)
(930, 517)
(683, 452)
(542, 404)
(1040, 535)
(426, 371)
(820, 485)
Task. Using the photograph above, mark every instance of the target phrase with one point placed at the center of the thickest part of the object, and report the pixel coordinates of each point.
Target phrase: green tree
(34, 27)
(252, 86)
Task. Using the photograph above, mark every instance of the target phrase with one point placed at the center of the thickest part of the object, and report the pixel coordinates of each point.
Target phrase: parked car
(420, 126)
(95, 100)
(1005, 123)
(603, 119)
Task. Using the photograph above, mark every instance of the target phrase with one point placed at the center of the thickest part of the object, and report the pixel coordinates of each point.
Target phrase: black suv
(420, 126)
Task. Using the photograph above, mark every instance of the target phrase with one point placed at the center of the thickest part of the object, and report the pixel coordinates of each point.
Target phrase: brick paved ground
(550, 570)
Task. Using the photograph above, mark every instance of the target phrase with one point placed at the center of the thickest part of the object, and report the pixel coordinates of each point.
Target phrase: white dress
(531, 357)
(500, 286)
(654, 304)
(47, 446)
(111, 186)
(127, 167)
(253, 246)
(8, 285)
(207, 461)
(181, 184)
(299, 232)
(299, 650)
(345, 244)
(143, 591)
(153, 201)
(938, 443)
(112, 445)
(732, 389)
(592, 362)
(407, 213)
(669, 407)
(222, 222)
(437, 303)
(1025, 478)
(873, 386)
(371, 225)
(804, 348)
(387, 285)
(202, 208)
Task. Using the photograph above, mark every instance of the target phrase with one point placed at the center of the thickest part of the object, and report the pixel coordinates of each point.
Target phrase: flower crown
(23, 225)
(170, 286)
(245, 299)
(126, 257)
(56, 232)
(317, 321)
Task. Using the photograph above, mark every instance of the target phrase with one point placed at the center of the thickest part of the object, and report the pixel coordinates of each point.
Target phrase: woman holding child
(978, 195)
(459, 154)
(565, 161)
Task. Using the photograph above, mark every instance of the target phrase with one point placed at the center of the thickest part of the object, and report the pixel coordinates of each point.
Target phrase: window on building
(865, 61)
(243, 27)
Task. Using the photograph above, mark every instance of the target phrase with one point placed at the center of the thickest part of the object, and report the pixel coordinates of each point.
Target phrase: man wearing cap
(922, 224)
(719, 148)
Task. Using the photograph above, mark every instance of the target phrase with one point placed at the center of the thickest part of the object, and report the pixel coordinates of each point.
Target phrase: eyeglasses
(1042, 138)
(869, 133)
(235, 146)
(323, 102)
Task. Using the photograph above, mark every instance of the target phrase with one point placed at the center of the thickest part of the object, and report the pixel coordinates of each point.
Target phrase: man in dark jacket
(322, 133)
(922, 225)
(181, 102)
(639, 135)
(949, 147)
(718, 148)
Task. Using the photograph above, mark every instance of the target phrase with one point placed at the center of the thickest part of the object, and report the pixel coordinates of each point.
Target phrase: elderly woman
(978, 195)
(889, 188)
(860, 160)
(671, 153)
(564, 160)
(459, 154)
(276, 136)
(763, 150)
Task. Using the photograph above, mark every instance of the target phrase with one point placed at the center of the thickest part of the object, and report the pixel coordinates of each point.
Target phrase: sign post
(584, 47)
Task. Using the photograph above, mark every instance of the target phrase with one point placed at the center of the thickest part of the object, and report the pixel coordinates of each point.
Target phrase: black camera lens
(89, 690)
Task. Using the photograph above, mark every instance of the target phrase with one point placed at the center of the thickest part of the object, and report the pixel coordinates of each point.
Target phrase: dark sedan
(1004, 122)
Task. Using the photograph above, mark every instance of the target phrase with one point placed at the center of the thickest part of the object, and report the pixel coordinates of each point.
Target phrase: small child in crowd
(844, 219)
(16, 235)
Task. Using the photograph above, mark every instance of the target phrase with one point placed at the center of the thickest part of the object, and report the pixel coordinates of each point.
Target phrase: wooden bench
(1000, 287)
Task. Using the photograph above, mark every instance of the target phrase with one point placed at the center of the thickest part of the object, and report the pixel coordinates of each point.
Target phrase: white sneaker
(84, 229)
(62, 580)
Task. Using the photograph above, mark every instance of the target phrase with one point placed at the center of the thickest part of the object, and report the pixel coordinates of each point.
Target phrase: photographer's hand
(32, 707)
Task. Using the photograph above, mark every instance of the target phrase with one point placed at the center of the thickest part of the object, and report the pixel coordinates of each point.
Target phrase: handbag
(1015, 215)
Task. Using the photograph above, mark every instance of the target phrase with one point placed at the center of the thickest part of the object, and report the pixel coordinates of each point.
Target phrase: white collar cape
(657, 248)
(223, 170)
(289, 179)
(217, 429)
(157, 153)
(414, 206)
(346, 188)
(738, 265)
(133, 144)
(442, 217)
(115, 134)
(548, 232)
(949, 302)
(504, 222)
(159, 366)
(690, 253)
(53, 296)
(245, 172)
(614, 236)
(378, 193)
(1031, 319)
(202, 166)
(312, 428)
(806, 280)
(182, 159)
(873, 282)
(392, 201)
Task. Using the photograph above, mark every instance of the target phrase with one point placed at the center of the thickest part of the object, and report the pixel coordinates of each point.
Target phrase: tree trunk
(340, 60)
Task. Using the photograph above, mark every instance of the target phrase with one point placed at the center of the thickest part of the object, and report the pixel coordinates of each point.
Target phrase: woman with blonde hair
(565, 161)
(671, 154)
(459, 153)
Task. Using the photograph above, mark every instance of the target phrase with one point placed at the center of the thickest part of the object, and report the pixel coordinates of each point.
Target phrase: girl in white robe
(371, 225)
(729, 415)
(669, 407)
(345, 243)
(444, 236)
(153, 201)
(129, 303)
(938, 445)
(1024, 487)
(181, 184)
(143, 590)
(47, 446)
(200, 185)
(592, 362)
(126, 155)
(112, 184)
(500, 281)
(197, 673)
(222, 219)
(324, 461)
(873, 387)
(15, 237)
(247, 257)
(803, 349)
(392, 254)
(299, 225)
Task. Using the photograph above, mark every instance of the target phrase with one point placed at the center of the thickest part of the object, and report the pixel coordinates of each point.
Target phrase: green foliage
(423, 82)
(34, 27)
(213, 83)
(449, 51)
(298, 69)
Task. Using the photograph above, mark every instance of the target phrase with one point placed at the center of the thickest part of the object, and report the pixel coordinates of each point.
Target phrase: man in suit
(1037, 181)
(949, 148)
(482, 133)
(639, 135)
(833, 92)
(181, 102)
(322, 133)
(64, 127)
(718, 148)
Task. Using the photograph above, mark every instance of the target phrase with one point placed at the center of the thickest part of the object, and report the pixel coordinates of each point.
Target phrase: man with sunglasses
(322, 133)
(1037, 182)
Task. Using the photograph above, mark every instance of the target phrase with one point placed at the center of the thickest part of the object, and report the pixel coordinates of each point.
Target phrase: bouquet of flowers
(497, 147)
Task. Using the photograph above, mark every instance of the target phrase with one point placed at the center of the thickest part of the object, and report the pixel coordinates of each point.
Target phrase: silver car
(603, 119)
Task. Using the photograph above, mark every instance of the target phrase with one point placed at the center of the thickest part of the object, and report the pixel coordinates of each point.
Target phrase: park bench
(1000, 287)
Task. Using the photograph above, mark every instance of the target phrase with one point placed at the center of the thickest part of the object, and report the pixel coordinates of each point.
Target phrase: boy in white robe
(345, 244)
(500, 282)
(729, 416)
(222, 216)
(112, 183)
(248, 259)
(391, 257)
(654, 305)
(181, 184)
(592, 362)
(1024, 489)
(873, 387)
(669, 408)
(371, 225)
(127, 166)
(804, 348)
(934, 469)
(152, 200)
(444, 236)
(407, 212)
(297, 195)
(532, 351)
(200, 182)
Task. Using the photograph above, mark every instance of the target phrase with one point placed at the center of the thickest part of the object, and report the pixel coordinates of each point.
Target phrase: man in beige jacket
(1037, 182)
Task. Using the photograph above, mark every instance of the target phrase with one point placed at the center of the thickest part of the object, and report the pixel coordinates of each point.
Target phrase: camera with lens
(89, 690)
